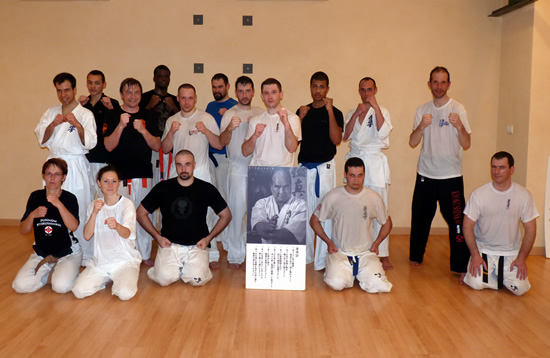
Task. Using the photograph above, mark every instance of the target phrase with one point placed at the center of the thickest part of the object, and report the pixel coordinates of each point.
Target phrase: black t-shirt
(99, 154)
(161, 112)
(51, 236)
(184, 209)
(316, 146)
(132, 155)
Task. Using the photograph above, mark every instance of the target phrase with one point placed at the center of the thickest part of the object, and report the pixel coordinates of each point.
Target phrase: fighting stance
(53, 214)
(68, 131)
(184, 237)
(352, 253)
(99, 104)
(194, 130)
(322, 125)
(131, 136)
(279, 218)
(161, 105)
(491, 229)
(234, 126)
(112, 223)
(368, 127)
(275, 147)
(442, 126)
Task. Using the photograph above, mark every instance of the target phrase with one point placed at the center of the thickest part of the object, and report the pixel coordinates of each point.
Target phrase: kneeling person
(492, 232)
(53, 213)
(112, 223)
(184, 237)
(352, 252)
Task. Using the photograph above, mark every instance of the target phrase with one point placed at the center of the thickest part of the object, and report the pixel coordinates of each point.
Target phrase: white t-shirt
(188, 137)
(234, 152)
(110, 249)
(352, 216)
(441, 153)
(497, 215)
(270, 150)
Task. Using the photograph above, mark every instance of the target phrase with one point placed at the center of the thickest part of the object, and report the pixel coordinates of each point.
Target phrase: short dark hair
(185, 152)
(96, 73)
(188, 86)
(271, 81)
(55, 162)
(368, 79)
(129, 82)
(318, 76)
(220, 76)
(440, 69)
(161, 68)
(244, 80)
(64, 76)
(502, 155)
(106, 169)
(355, 163)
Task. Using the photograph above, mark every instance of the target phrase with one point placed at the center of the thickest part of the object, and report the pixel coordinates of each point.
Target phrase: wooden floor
(426, 314)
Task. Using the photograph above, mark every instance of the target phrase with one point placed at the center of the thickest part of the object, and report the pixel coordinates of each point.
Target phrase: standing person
(442, 126)
(194, 130)
(161, 105)
(131, 136)
(368, 127)
(492, 231)
(322, 125)
(112, 222)
(99, 104)
(275, 147)
(222, 102)
(352, 251)
(69, 132)
(53, 214)
(184, 237)
(234, 126)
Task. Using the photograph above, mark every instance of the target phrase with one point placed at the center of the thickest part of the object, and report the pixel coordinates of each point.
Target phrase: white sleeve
(87, 121)
(44, 122)
(129, 218)
(296, 125)
(386, 128)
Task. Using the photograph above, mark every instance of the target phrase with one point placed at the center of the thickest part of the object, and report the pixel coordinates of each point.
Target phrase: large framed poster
(276, 228)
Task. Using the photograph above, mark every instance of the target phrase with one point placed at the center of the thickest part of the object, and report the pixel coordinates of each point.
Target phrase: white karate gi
(237, 182)
(293, 216)
(65, 143)
(367, 143)
(115, 258)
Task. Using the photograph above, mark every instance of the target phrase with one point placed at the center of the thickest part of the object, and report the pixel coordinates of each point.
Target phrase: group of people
(185, 170)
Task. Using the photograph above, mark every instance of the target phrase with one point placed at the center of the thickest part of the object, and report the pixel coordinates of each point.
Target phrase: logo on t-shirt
(443, 122)
(48, 230)
(369, 123)
(182, 207)
(193, 131)
(71, 128)
(365, 212)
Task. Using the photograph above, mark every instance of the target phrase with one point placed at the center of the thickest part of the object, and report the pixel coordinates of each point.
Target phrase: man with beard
(234, 125)
(194, 130)
(162, 106)
(131, 136)
(184, 237)
(279, 218)
(322, 125)
(442, 126)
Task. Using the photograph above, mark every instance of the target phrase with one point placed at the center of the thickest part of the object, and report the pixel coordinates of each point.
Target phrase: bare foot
(461, 278)
(148, 262)
(235, 266)
(386, 264)
(414, 263)
(214, 265)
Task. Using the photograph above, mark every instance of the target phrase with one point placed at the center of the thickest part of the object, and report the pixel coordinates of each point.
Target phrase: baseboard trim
(9, 222)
